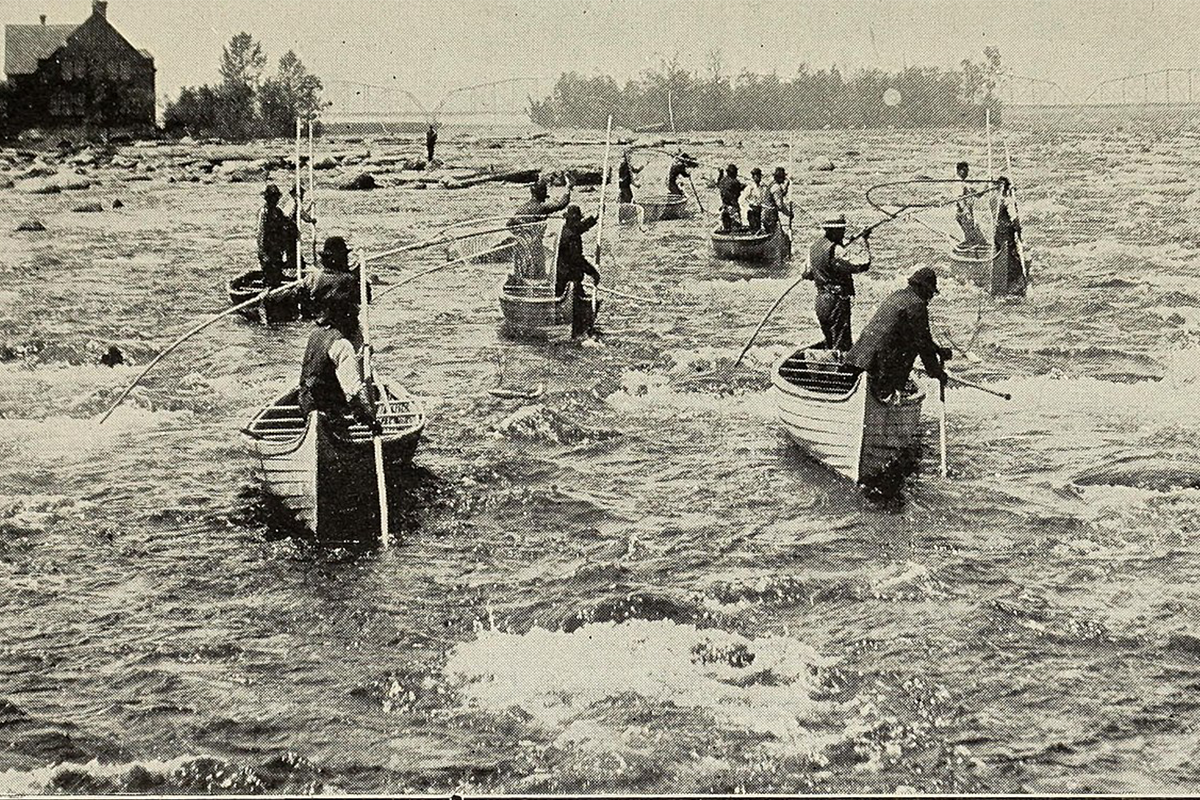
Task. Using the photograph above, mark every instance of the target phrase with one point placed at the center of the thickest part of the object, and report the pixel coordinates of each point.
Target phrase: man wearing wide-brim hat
(335, 285)
(276, 237)
(897, 334)
(834, 276)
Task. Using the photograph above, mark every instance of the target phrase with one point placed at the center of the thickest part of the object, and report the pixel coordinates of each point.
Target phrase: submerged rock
(89, 208)
(31, 225)
(361, 182)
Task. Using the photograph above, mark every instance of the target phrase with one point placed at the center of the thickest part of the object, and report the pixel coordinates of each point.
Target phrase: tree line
(866, 98)
(245, 104)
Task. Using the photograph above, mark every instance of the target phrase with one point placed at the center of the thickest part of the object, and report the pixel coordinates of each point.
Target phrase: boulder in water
(328, 162)
(118, 204)
(31, 225)
(113, 357)
(821, 165)
(74, 184)
(89, 208)
(361, 182)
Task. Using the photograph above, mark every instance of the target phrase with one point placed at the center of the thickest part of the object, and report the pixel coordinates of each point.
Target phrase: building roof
(25, 44)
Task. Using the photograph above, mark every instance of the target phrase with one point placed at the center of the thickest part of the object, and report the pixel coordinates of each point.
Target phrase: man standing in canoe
(964, 209)
(331, 374)
(775, 200)
(335, 282)
(625, 180)
(276, 237)
(573, 265)
(730, 189)
(1008, 231)
(834, 276)
(529, 262)
(753, 198)
(679, 169)
(897, 334)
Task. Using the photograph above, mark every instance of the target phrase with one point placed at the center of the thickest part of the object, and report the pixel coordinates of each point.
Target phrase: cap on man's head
(834, 223)
(756, 172)
(272, 191)
(780, 172)
(925, 278)
(731, 169)
(574, 212)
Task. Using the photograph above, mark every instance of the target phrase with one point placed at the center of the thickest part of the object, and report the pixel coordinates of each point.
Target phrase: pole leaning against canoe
(364, 325)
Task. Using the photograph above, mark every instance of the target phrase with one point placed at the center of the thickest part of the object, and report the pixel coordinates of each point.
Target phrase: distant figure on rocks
(730, 189)
(113, 357)
(775, 200)
(331, 378)
(529, 259)
(276, 237)
(679, 169)
(753, 198)
(897, 334)
(964, 209)
(573, 265)
(834, 276)
(625, 179)
(431, 138)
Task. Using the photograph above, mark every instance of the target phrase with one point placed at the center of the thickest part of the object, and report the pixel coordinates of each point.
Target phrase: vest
(820, 264)
(319, 386)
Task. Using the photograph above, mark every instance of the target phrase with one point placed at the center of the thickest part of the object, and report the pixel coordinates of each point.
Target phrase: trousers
(833, 312)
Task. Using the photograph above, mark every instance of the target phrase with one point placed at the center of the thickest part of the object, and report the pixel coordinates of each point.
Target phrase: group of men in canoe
(763, 203)
(1005, 240)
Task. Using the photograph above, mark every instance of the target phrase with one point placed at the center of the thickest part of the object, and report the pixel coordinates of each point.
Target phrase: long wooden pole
(603, 193)
(364, 325)
(299, 238)
(258, 298)
(311, 186)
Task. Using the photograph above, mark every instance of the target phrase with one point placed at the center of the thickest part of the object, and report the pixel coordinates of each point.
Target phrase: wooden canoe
(284, 308)
(832, 415)
(985, 267)
(744, 246)
(532, 312)
(326, 476)
(653, 209)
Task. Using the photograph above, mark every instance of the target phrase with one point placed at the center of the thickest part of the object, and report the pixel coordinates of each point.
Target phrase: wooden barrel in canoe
(324, 473)
(830, 412)
(286, 307)
(763, 247)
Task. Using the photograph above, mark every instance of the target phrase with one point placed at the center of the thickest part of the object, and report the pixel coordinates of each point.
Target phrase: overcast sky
(431, 46)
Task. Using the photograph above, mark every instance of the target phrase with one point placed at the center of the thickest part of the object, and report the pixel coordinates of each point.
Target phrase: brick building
(77, 75)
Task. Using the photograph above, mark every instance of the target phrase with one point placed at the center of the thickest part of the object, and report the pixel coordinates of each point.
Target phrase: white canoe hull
(831, 415)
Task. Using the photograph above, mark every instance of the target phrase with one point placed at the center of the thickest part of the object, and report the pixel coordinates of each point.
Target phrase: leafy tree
(291, 94)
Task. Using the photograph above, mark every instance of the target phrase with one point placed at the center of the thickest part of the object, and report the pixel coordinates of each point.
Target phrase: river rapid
(636, 584)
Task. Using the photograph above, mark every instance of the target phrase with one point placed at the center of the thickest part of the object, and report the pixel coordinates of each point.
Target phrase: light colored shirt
(776, 196)
(753, 195)
(345, 363)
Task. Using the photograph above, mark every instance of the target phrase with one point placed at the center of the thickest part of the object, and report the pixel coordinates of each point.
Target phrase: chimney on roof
(100, 8)
(43, 19)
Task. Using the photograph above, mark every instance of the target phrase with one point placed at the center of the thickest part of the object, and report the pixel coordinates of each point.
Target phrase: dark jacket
(893, 339)
(625, 174)
(731, 190)
(829, 271)
(277, 234)
(572, 265)
(678, 170)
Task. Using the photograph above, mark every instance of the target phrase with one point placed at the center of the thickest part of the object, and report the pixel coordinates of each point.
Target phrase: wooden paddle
(385, 536)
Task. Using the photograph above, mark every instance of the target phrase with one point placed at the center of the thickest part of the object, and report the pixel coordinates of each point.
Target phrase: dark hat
(574, 213)
(335, 245)
(731, 169)
(835, 223)
(926, 278)
(756, 171)
(272, 191)
(780, 172)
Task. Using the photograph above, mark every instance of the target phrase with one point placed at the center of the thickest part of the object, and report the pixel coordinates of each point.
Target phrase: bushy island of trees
(922, 97)
(245, 105)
